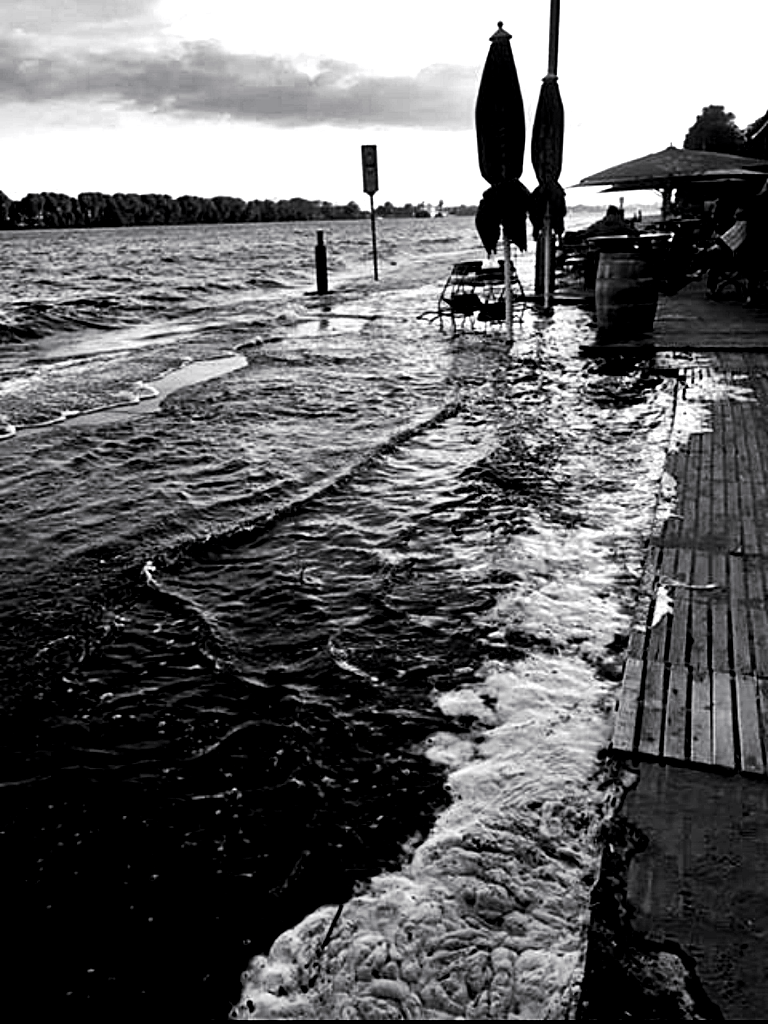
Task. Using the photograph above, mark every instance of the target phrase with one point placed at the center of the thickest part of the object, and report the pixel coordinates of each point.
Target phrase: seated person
(722, 257)
(612, 223)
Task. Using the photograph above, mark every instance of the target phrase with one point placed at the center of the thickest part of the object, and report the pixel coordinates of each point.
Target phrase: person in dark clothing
(612, 223)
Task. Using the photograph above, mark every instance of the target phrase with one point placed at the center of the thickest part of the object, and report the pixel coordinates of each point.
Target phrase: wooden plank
(658, 634)
(704, 522)
(677, 653)
(698, 653)
(754, 427)
(625, 724)
(653, 710)
(693, 511)
(739, 453)
(672, 526)
(735, 538)
(637, 641)
(762, 706)
(735, 454)
(759, 476)
(748, 718)
(716, 434)
(747, 501)
(757, 612)
(640, 629)
(685, 485)
(684, 476)
(701, 717)
(722, 721)
(749, 485)
(721, 527)
(676, 721)
(741, 634)
(718, 614)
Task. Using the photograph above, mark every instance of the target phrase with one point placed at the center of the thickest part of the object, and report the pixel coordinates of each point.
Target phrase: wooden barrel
(626, 294)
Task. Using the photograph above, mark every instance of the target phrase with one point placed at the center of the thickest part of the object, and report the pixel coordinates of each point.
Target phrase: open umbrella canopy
(673, 167)
(738, 176)
(500, 126)
(547, 157)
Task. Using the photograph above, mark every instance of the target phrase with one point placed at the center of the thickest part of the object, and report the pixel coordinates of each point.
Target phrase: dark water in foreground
(235, 614)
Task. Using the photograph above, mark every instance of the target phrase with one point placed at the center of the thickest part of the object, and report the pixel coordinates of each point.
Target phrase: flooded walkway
(692, 716)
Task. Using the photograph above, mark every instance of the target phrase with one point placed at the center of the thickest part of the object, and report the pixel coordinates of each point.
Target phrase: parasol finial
(500, 32)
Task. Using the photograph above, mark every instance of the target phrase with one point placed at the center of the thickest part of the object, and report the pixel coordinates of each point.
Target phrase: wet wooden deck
(695, 684)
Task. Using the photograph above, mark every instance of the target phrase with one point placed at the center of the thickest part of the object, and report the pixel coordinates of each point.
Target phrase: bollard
(321, 265)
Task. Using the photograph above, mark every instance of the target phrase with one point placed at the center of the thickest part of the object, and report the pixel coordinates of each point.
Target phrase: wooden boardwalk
(695, 684)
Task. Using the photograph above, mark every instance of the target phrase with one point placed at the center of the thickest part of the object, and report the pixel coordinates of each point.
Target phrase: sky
(269, 99)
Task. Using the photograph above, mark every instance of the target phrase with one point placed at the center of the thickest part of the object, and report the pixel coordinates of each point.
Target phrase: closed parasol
(500, 126)
(547, 157)
(547, 206)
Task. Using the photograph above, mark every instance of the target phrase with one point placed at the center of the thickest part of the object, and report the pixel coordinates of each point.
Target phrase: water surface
(284, 577)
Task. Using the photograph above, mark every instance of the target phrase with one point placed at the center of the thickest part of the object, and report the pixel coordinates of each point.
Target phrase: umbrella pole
(507, 284)
(546, 262)
(546, 227)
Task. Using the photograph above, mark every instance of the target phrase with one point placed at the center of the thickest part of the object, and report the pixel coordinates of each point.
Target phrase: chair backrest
(461, 269)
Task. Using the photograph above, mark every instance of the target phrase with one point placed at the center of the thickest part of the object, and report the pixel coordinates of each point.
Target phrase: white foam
(486, 921)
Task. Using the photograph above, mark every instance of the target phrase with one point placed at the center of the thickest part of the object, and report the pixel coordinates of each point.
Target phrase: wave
(249, 530)
(134, 579)
(264, 281)
(30, 321)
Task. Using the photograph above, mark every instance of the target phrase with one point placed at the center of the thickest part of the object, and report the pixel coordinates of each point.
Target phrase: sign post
(371, 185)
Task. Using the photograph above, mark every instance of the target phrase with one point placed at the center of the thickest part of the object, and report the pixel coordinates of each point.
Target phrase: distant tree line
(97, 210)
(716, 131)
(424, 210)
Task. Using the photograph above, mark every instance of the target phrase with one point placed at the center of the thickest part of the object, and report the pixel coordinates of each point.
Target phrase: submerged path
(692, 715)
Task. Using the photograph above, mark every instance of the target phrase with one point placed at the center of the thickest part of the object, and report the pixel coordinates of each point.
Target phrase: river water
(299, 596)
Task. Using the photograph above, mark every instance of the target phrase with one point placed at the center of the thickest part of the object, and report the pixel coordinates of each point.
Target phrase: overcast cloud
(46, 16)
(204, 80)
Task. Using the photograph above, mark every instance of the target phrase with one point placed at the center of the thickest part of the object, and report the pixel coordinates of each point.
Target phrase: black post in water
(371, 186)
(321, 265)
(373, 235)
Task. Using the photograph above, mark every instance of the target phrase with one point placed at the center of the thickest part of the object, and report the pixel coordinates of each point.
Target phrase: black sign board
(370, 170)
